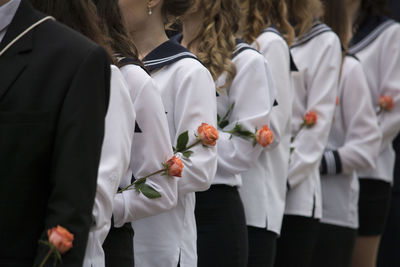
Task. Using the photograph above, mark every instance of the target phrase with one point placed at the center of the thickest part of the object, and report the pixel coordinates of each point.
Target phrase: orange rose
(61, 238)
(310, 119)
(264, 136)
(208, 134)
(386, 102)
(175, 166)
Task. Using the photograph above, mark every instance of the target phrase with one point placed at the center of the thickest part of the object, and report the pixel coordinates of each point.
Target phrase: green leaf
(218, 118)
(187, 153)
(223, 124)
(182, 142)
(239, 131)
(149, 191)
(140, 181)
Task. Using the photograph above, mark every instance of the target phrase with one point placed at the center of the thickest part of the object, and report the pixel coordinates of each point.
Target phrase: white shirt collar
(7, 12)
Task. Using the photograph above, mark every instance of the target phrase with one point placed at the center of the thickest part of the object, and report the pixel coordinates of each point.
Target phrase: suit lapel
(15, 59)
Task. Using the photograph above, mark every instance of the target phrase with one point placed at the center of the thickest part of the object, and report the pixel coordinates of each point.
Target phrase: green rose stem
(46, 258)
(141, 180)
(198, 141)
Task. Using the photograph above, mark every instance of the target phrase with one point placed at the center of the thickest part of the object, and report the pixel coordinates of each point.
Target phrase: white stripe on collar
(316, 30)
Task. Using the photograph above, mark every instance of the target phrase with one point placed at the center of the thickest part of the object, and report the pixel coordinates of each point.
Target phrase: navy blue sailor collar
(317, 29)
(241, 46)
(165, 54)
(273, 29)
(368, 31)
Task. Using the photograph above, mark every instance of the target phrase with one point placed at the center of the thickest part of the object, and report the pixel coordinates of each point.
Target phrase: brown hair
(216, 37)
(79, 15)
(303, 13)
(112, 23)
(337, 18)
(372, 7)
(172, 9)
(260, 14)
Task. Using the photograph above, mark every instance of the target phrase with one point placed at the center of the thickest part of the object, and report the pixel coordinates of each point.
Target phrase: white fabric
(150, 148)
(356, 136)
(381, 64)
(316, 86)
(188, 94)
(7, 13)
(253, 94)
(114, 163)
(264, 185)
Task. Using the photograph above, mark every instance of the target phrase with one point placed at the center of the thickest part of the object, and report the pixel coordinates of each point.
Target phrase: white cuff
(118, 210)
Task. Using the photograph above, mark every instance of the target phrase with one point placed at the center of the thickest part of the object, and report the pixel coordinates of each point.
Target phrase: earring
(149, 8)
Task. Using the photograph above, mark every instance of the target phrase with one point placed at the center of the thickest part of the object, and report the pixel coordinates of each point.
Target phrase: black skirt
(118, 247)
(373, 206)
(295, 246)
(221, 228)
(334, 247)
(262, 247)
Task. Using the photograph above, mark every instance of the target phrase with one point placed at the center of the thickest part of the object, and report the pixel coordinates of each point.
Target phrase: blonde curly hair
(260, 14)
(216, 37)
(303, 13)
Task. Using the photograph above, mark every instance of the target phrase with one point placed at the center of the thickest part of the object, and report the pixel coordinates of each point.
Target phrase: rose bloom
(386, 102)
(310, 119)
(61, 238)
(208, 134)
(264, 136)
(175, 166)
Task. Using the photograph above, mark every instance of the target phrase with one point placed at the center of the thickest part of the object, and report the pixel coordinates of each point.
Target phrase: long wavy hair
(112, 24)
(216, 37)
(260, 14)
(80, 15)
(337, 18)
(302, 14)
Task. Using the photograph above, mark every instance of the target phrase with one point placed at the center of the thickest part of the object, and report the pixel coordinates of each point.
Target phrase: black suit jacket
(54, 89)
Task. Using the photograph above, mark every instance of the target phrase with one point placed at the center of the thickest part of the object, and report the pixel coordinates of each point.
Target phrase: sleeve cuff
(118, 210)
(331, 163)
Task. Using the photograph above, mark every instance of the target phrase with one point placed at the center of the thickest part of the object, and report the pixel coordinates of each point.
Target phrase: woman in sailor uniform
(317, 54)
(188, 95)
(150, 147)
(264, 185)
(376, 44)
(245, 95)
(353, 145)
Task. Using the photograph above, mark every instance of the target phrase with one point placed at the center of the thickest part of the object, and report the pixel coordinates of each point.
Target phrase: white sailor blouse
(317, 55)
(188, 95)
(264, 185)
(376, 44)
(150, 148)
(114, 163)
(353, 145)
(252, 95)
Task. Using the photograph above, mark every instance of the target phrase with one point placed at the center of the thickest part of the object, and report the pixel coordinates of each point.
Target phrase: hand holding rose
(172, 167)
(385, 103)
(206, 134)
(60, 241)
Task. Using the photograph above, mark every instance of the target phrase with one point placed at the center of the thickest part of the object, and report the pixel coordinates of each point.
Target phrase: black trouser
(295, 246)
(373, 206)
(389, 250)
(334, 247)
(221, 228)
(262, 247)
(118, 247)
